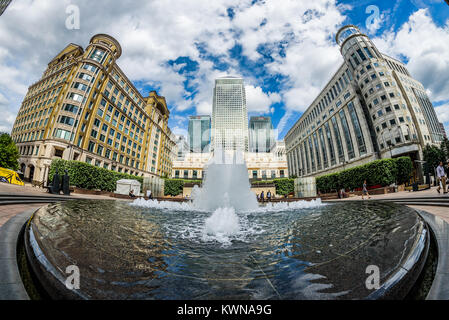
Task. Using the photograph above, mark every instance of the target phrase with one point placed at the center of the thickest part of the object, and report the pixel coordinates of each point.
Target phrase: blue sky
(284, 49)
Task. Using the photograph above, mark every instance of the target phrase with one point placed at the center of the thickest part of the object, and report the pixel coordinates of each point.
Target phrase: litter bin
(415, 186)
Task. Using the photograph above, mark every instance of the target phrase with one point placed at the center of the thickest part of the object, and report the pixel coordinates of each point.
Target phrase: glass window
(347, 134)
(340, 150)
(323, 147)
(357, 128)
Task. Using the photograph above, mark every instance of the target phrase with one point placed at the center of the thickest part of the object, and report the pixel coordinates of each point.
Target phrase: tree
(445, 147)
(432, 155)
(9, 155)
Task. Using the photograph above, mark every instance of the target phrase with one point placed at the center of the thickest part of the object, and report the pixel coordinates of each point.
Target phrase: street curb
(11, 285)
(440, 228)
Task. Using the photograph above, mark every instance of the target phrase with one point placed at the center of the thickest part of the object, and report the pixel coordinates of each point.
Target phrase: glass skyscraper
(229, 115)
(3, 5)
(199, 133)
(261, 134)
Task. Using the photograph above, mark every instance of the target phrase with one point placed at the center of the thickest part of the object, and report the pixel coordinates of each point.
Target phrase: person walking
(268, 195)
(261, 196)
(441, 176)
(365, 191)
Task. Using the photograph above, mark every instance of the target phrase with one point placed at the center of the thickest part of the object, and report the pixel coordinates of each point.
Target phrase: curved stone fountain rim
(11, 285)
(440, 229)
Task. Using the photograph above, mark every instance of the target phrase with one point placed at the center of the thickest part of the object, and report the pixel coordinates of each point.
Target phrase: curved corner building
(370, 109)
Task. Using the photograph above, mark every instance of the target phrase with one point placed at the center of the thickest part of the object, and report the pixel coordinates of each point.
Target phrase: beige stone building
(85, 108)
(261, 165)
(371, 108)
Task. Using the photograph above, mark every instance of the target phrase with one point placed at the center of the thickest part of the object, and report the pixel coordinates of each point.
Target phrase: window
(67, 120)
(355, 59)
(91, 146)
(368, 52)
(357, 128)
(347, 134)
(338, 139)
(97, 55)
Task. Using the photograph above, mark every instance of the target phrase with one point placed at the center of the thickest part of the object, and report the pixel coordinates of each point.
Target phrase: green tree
(445, 147)
(9, 155)
(432, 155)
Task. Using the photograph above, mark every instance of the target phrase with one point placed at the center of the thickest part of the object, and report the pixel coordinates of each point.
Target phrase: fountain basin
(164, 251)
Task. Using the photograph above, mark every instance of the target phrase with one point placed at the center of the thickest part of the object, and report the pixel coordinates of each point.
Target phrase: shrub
(87, 176)
(379, 172)
(404, 169)
(173, 187)
(284, 186)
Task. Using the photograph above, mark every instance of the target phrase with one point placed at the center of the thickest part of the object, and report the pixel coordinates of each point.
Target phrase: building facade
(3, 5)
(261, 166)
(229, 115)
(85, 108)
(443, 130)
(370, 109)
(182, 147)
(199, 133)
(261, 134)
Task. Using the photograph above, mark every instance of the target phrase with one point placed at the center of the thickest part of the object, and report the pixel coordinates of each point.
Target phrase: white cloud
(443, 113)
(7, 119)
(425, 46)
(259, 101)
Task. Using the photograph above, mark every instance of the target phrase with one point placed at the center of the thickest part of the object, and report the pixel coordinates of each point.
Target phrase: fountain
(223, 245)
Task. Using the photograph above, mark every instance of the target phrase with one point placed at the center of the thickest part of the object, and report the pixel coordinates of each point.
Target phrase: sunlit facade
(229, 115)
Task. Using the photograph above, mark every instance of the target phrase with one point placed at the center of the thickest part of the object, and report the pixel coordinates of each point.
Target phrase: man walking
(441, 176)
(268, 195)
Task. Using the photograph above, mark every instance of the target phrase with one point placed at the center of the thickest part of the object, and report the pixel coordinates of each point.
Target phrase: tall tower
(3, 5)
(261, 134)
(229, 115)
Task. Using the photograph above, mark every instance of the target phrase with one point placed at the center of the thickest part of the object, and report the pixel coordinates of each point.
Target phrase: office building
(3, 5)
(199, 133)
(85, 108)
(261, 134)
(371, 108)
(229, 115)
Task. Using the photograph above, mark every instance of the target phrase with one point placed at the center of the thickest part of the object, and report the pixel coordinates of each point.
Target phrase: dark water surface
(127, 252)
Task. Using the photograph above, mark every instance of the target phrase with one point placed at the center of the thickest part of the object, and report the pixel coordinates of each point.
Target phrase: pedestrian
(261, 196)
(268, 195)
(131, 193)
(365, 191)
(441, 176)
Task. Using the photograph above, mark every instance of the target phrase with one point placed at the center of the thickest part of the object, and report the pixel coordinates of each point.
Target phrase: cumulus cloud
(259, 101)
(443, 113)
(292, 42)
(424, 45)
(152, 33)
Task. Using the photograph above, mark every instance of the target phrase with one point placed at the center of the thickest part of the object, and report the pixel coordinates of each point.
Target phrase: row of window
(311, 158)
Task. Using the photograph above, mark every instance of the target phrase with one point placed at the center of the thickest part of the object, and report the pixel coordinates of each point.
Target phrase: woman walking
(365, 191)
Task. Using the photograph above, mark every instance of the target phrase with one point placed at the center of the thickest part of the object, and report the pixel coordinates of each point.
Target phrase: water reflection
(127, 252)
